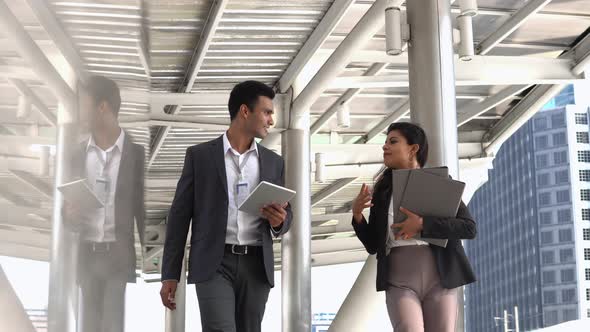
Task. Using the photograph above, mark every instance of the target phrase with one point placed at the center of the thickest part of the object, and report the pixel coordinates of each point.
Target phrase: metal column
(63, 290)
(432, 79)
(13, 318)
(361, 303)
(62, 276)
(175, 319)
(296, 244)
(432, 87)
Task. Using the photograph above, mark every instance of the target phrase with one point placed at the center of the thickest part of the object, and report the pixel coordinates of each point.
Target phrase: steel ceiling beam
(319, 35)
(516, 20)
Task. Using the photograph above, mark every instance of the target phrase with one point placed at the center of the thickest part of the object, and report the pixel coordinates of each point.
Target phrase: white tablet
(265, 193)
(79, 194)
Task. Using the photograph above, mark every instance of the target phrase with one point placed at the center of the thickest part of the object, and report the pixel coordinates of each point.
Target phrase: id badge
(242, 192)
(101, 189)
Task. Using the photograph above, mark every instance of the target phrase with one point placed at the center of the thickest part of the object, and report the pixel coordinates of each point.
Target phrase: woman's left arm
(460, 227)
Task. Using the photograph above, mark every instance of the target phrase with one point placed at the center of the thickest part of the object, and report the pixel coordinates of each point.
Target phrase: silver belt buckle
(233, 250)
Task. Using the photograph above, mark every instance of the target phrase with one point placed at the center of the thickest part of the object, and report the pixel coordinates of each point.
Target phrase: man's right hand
(167, 293)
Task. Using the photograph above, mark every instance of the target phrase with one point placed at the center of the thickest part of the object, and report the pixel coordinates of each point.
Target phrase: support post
(431, 64)
(63, 290)
(296, 244)
(361, 303)
(175, 319)
(13, 318)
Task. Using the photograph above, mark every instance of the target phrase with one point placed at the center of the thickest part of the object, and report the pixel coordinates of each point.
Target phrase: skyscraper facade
(532, 253)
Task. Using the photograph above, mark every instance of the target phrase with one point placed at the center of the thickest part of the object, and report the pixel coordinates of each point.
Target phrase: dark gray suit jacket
(451, 262)
(201, 196)
(129, 206)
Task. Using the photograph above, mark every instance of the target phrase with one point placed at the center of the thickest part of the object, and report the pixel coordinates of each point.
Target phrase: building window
(540, 123)
(541, 142)
(548, 257)
(560, 157)
(585, 214)
(547, 237)
(559, 139)
(568, 295)
(585, 175)
(568, 275)
(564, 216)
(562, 176)
(558, 120)
(566, 255)
(549, 277)
(563, 196)
(550, 317)
(549, 297)
(581, 118)
(570, 314)
(587, 294)
(588, 313)
(543, 180)
(587, 254)
(584, 156)
(587, 274)
(582, 137)
(586, 234)
(546, 217)
(545, 198)
(565, 235)
(585, 194)
(542, 160)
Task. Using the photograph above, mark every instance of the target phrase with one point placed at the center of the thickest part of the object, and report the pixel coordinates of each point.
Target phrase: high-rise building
(533, 245)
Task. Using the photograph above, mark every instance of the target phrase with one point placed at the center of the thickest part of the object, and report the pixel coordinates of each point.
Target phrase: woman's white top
(391, 241)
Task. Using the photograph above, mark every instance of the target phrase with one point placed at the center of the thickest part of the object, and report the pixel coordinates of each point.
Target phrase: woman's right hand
(361, 202)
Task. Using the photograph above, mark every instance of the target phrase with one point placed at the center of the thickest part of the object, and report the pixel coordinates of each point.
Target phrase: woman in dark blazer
(420, 280)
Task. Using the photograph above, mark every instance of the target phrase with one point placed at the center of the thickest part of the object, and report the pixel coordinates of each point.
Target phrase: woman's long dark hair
(413, 135)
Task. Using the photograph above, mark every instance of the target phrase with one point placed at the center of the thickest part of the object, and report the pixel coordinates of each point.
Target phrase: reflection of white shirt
(391, 241)
(242, 227)
(103, 164)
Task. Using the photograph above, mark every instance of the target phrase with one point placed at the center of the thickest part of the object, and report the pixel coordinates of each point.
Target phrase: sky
(144, 311)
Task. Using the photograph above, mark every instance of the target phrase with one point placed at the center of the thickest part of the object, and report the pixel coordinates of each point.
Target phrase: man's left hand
(275, 214)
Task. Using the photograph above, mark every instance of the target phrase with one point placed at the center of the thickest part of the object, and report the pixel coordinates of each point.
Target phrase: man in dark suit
(231, 255)
(114, 168)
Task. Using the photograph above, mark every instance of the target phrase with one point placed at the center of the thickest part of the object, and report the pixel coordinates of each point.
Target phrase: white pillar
(506, 321)
(432, 88)
(14, 317)
(432, 79)
(296, 244)
(63, 289)
(361, 303)
(175, 319)
(516, 322)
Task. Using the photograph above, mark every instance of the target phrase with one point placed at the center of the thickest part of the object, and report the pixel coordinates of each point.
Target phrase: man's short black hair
(247, 93)
(102, 89)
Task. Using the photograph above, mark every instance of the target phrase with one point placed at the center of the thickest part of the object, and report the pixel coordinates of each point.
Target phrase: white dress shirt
(242, 227)
(391, 241)
(103, 164)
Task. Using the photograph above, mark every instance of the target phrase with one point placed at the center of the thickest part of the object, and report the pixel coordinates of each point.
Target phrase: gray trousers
(235, 298)
(102, 306)
(416, 301)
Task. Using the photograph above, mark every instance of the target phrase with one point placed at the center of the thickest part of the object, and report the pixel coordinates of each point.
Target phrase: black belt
(237, 249)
